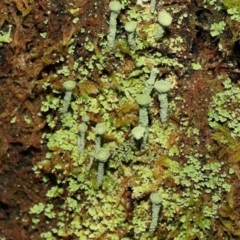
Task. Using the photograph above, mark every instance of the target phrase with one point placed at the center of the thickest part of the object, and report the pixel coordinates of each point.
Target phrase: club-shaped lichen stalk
(159, 33)
(115, 8)
(102, 155)
(152, 6)
(143, 101)
(99, 131)
(69, 86)
(85, 118)
(130, 27)
(82, 128)
(156, 201)
(162, 87)
(164, 20)
(150, 82)
(138, 136)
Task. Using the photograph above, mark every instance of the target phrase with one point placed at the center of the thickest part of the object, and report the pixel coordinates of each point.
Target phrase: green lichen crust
(164, 18)
(69, 86)
(156, 201)
(223, 109)
(162, 87)
(115, 7)
(130, 27)
(82, 128)
(143, 101)
(102, 155)
(91, 212)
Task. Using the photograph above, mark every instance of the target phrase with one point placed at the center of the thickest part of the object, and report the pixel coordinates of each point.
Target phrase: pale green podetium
(150, 82)
(102, 155)
(82, 128)
(130, 27)
(69, 86)
(162, 87)
(159, 33)
(85, 118)
(156, 201)
(138, 136)
(153, 6)
(100, 129)
(164, 20)
(143, 101)
(115, 7)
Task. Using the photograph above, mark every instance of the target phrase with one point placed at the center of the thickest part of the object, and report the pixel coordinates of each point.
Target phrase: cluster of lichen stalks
(139, 133)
